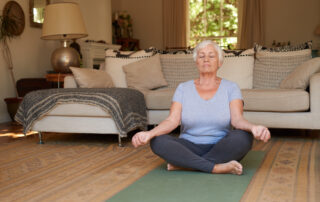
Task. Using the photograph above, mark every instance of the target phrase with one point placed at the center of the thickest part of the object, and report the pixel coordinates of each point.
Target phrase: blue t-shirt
(205, 121)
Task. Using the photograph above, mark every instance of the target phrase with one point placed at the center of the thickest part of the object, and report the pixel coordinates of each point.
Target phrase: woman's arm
(239, 122)
(165, 127)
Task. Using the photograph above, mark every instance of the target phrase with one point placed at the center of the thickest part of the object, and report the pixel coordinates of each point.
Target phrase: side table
(128, 44)
(56, 79)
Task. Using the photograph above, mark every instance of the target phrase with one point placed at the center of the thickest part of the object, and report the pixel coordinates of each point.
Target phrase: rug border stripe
(257, 182)
(301, 188)
(312, 173)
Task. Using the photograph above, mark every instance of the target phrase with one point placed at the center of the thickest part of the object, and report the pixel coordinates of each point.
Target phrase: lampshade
(63, 21)
(317, 31)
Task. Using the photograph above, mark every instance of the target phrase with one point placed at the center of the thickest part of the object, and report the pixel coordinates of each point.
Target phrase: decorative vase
(13, 105)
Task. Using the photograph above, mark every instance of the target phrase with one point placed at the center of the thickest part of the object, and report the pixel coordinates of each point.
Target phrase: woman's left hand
(261, 133)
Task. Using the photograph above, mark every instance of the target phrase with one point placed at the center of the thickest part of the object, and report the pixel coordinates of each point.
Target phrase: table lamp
(64, 22)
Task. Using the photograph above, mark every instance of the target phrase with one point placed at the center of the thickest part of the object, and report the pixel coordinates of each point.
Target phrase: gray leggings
(183, 153)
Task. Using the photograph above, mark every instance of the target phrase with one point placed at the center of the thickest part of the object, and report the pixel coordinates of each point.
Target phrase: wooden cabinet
(56, 79)
(128, 44)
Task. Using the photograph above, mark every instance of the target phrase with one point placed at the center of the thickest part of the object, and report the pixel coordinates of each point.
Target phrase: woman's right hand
(141, 138)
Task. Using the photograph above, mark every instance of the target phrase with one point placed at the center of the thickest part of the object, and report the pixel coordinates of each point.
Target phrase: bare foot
(171, 167)
(232, 167)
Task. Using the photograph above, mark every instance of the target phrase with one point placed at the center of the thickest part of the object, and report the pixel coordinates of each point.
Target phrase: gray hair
(206, 43)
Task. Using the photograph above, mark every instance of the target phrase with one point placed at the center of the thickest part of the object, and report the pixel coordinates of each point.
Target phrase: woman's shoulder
(229, 83)
(186, 84)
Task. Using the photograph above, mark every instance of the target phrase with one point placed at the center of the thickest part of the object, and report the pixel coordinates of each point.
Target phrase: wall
(293, 20)
(285, 20)
(147, 20)
(31, 55)
(97, 18)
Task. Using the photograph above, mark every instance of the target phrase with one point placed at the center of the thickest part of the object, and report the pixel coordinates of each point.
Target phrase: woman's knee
(157, 143)
(242, 138)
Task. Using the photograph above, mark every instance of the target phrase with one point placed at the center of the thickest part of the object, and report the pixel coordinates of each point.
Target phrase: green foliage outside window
(213, 19)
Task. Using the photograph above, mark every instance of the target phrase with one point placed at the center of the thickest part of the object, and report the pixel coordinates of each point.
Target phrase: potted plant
(11, 25)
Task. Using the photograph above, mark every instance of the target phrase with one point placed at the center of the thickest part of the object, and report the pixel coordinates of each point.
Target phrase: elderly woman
(206, 108)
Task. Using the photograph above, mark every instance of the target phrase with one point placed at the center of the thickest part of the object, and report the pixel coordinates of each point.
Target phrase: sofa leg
(119, 141)
(40, 138)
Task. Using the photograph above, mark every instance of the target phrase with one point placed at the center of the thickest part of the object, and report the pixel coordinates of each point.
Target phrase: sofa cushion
(91, 78)
(159, 99)
(275, 100)
(273, 65)
(145, 74)
(178, 68)
(300, 76)
(116, 60)
(69, 82)
(238, 68)
(78, 109)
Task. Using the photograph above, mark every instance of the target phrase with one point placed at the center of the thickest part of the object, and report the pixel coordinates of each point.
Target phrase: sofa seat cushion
(159, 99)
(275, 100)
(78, 109)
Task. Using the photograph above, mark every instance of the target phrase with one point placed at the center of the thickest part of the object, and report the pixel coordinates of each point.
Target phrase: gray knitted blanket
(126, 106)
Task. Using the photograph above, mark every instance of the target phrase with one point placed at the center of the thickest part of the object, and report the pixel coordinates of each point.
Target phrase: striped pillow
(271, 66)
(178, 68)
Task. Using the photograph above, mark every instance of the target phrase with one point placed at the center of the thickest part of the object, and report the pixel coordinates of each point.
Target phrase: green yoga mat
(161, 185)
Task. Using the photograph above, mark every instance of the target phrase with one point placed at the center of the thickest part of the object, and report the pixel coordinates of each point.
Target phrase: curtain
(251, 26)
(175, 23)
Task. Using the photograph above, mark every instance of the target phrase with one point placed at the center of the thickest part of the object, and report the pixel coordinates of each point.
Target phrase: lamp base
(63, 58)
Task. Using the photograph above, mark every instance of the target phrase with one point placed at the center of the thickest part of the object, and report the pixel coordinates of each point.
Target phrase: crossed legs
(219, 157)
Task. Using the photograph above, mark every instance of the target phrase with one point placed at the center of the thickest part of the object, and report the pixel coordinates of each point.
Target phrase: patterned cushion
(178, 68)
(272, 66)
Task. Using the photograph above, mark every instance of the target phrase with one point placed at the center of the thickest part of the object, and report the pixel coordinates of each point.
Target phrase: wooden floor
(11, 130)
(290, 171)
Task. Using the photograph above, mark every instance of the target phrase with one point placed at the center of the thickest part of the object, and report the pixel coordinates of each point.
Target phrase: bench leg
(40, 138)
(119, 141)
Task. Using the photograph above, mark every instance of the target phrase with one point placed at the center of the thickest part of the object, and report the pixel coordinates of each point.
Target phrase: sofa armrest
(315, 93)
(70, 82)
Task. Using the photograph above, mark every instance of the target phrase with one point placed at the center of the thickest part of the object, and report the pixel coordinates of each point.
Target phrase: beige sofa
(272, 107)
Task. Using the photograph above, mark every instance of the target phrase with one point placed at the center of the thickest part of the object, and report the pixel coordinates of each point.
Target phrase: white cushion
(238, 69)
(91, 78)
(70, 82)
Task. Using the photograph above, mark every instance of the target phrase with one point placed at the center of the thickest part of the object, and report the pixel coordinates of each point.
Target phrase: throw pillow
(299, 78)
(114, 63)
(178, 68)
(91, 78)
(238, 68)
(271, 66)
(145, 74)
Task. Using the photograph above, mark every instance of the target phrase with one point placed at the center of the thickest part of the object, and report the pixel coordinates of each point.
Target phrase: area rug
(70, 167)
(160, 185)
(290, 172)
(87, 167)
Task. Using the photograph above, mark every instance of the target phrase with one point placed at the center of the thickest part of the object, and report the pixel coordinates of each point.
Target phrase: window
(216, 20)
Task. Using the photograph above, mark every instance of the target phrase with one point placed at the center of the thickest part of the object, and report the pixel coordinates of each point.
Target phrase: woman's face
(207, 60)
